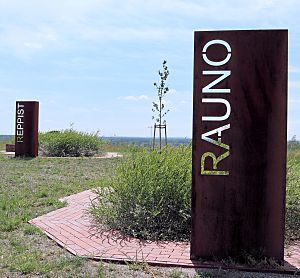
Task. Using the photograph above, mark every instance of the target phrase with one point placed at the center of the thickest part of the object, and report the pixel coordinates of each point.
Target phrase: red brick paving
(71, 227)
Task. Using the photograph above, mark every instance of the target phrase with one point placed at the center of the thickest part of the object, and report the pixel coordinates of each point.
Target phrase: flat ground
(32, 187)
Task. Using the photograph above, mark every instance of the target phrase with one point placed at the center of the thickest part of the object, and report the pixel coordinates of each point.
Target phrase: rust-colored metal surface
(26, 134)
(10, 148)
(239, 143)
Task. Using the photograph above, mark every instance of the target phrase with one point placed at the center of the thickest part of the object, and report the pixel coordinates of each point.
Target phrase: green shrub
(69, 142)
(149, 195)
(292, 225)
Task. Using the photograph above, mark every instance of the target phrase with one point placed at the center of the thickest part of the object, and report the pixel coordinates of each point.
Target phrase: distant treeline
(139, 141)
(144, 141)
(6, 137)
(293, 144)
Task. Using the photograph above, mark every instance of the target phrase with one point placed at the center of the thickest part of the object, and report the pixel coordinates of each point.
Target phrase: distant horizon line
(121, 136)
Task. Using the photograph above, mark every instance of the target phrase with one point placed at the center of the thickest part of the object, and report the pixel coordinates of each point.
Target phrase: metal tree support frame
(162, 90)
(239, 144)
(159, 127)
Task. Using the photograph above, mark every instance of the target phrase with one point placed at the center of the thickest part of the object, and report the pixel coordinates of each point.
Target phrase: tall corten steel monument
(26, 134)
(239, 143)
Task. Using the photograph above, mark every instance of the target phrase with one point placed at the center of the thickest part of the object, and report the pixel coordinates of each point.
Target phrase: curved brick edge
(71, 227)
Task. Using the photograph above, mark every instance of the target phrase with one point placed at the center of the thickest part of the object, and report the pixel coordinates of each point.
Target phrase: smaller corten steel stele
(239, 144)
(26, 134)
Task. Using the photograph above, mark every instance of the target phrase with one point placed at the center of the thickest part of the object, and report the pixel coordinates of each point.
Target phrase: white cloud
(123, 33)
(8, 91)
(294, 101)
(33, 45)
(128, 20)
(135, 98)
(294, 84)
(22, 41)
(293, 69)
(234, 10)
(172, 91)
(264, 4)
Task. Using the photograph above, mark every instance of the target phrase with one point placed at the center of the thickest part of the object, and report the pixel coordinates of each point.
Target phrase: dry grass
(32, 187)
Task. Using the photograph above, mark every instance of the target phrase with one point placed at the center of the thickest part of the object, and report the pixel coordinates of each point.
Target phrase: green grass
(293, 197)
(32, 187)
(2, 145)
(149, 195)
(69, 142)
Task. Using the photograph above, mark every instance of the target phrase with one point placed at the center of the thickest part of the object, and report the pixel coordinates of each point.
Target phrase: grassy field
(32, 187)
(2, 145)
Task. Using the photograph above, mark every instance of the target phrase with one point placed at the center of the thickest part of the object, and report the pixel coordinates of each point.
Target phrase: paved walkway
(7, 153)
(71, 227)
(104, 155)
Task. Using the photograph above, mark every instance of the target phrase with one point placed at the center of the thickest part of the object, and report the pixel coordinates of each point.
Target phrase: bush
(293, 200)
(69, 142)
(149, 196)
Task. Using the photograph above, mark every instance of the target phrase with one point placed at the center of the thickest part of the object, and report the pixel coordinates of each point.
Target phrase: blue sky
(93, 63)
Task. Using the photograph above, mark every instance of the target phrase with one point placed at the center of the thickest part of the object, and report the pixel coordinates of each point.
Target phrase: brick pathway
(105, 155)
(71, 228)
